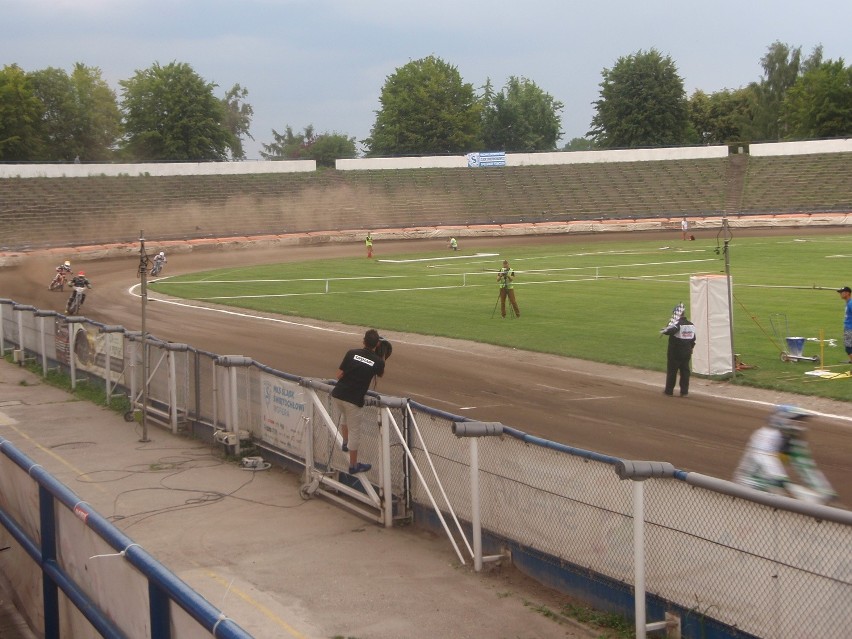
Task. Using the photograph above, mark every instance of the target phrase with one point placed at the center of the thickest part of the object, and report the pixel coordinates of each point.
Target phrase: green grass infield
(599, 301)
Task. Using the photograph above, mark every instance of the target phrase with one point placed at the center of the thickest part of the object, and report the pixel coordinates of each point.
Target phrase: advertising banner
(284, 412)
(89, 348)
(484, 159)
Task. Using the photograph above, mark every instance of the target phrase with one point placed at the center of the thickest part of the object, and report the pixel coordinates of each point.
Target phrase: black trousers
(678, 363)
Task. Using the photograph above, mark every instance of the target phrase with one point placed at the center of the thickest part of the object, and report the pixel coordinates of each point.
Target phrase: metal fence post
(387, 487)
(474, 430)
(638, 472)
(107, 331)
(43, 341)
(21, 345)
(171, 349)
(639, 557)
(3, 302)
(231, 362)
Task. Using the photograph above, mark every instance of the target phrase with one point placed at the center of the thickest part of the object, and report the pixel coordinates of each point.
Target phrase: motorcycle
(76, 301)
(58, 283)
(158, 266)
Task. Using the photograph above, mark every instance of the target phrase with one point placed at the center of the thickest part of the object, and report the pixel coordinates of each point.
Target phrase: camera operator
(357, 370)
(506, 279)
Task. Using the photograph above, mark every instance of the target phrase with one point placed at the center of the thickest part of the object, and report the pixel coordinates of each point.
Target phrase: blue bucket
(795, 346)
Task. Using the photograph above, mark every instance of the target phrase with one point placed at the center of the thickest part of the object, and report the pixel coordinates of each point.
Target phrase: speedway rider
(783, 438)
(159, 260)
(62, 272)
(78, 281)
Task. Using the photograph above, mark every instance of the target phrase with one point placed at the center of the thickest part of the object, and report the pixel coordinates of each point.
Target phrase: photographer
(357, 371)
(506, 279)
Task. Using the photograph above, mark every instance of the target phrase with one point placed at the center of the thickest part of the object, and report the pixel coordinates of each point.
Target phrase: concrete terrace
(39, 212)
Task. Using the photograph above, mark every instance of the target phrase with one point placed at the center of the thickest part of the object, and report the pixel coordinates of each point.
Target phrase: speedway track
(613, 410)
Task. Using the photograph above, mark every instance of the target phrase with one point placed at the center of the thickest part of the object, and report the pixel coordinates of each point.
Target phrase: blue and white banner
(490, 158)
(283, 414)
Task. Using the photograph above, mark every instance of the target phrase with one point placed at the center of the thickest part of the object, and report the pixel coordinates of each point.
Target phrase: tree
(324, 148)
(20, 116)
(782, 65)
(642, 103)
(721, 117)
(171, 114)
(579, 144)
(289, 145)
(238, 114)
(819, 104)
(81, 117)
(425, 109)
(521, 118)
(99, 124)
(54, 89)
(329, 147)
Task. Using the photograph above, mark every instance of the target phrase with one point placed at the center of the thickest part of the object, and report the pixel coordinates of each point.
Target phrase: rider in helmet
(783, 438)
(159, 260)
(77, 281)
(62, 272)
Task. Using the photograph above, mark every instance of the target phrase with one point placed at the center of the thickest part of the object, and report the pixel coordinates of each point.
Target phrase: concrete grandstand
(72, 205)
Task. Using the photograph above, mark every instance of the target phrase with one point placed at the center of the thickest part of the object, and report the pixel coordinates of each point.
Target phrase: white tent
(710, 308)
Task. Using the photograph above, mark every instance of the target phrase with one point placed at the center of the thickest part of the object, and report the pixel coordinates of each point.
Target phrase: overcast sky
(324, 62)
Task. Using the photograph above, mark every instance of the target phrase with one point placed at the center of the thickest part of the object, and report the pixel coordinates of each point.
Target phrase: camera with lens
(384, 348)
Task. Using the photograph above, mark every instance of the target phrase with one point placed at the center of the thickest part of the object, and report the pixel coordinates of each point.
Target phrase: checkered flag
(677, 313)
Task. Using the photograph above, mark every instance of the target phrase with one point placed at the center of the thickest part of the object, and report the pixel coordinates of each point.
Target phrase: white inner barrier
(710, 312)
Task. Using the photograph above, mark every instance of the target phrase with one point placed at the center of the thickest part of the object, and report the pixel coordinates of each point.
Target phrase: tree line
(170, 113)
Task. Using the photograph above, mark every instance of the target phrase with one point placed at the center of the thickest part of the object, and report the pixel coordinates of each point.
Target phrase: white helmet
(789, 419)
(161, 254)
(67, 263)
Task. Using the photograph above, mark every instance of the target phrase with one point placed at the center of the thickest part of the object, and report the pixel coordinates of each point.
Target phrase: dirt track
(612, 410)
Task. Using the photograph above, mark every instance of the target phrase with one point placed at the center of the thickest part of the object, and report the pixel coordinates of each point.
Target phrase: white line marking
(238, 314)
(436, 259)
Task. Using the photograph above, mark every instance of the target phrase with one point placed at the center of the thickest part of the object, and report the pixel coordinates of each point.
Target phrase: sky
(324, 62)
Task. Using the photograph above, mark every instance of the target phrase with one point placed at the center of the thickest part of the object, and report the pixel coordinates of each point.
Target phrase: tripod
(503, 290)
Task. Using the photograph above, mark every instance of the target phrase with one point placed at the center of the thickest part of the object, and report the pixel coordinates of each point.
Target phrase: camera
(384, 348)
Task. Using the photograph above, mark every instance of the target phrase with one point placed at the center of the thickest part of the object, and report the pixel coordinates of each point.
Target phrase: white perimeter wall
(157, 170)
(801, 148)
(425, 162)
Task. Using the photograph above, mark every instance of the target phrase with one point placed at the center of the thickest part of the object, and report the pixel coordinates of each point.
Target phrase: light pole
(727, 236)
(143, 273)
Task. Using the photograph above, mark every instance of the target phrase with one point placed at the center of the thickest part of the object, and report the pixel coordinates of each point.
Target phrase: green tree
(171, 114)
(288, 145)
(324, 148)
(329, 147)
(426, 108)
(238, 114)
(819, 104)
(642, 103)
(81, 116)
(782, 65)
(20, 116)
(521, 118)
(54, 89)
(720, 117)
(579, 144)
(99, 123)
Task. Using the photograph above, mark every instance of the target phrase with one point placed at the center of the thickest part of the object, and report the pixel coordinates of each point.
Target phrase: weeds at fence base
(88, 390)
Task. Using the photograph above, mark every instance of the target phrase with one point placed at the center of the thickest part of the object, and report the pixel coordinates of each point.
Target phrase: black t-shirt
(359, 366)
